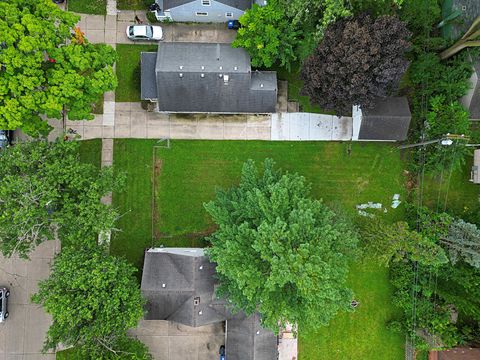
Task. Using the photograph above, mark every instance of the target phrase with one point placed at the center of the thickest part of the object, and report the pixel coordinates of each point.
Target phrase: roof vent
(261, 85)
(201, 267)
(258, 332)
(181, 75)
(180, 67)
(203, 67)
(200, 312)
(220, 67)
(202, 75)
(235, 68)
(196, 301)
(220, 75)
(164, 286)
(225, 79)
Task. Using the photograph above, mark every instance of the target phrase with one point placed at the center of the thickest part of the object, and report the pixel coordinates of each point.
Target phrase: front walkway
(131, 121)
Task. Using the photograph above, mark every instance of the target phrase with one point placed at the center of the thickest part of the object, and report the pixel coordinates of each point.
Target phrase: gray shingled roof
(210, 78)
(247, 339)
(149, 84)
(239, 4)
(389, 119)
(173, 280)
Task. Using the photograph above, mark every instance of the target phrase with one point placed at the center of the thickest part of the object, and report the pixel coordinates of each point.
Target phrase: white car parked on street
(145, 32)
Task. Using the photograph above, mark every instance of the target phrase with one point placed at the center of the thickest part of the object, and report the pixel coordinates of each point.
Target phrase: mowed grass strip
(128, 71)
(95, 7)
(189, 173)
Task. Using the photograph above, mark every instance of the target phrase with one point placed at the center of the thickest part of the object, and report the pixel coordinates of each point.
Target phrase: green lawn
(98, 7)
(187, 174)
(91, 152)
(133, 4)
(128, 71)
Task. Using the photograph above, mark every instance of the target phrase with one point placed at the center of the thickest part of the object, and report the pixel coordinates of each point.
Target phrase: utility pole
(446, 141)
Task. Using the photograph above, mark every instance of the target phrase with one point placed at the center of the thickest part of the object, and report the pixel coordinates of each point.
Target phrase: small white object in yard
(396, 201)
(370, 205)
(366, 214)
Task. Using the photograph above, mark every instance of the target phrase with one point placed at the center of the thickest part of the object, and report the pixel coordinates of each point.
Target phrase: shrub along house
(205, 78)
(203, 10)
(179, 285)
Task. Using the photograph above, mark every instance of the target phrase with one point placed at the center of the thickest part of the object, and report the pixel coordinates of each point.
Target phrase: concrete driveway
(111, 29)
(22, 335)
(171, 341)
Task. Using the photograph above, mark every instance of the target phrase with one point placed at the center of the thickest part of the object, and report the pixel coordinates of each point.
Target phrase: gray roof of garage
(248, 339)
(389, 119)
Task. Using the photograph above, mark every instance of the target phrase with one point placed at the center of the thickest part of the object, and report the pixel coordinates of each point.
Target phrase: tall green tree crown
(278, 251)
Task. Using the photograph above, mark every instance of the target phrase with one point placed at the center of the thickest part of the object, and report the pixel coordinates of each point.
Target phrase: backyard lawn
(98, 7)
(187, 174)
(128, 71)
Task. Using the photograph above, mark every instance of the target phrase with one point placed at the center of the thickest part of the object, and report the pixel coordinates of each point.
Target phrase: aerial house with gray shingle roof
(206, 78)
(179, 285)
(203, 10)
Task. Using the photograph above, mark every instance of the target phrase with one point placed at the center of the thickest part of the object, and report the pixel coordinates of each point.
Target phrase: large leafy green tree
(278, 251)
(47, 193)
(46, 67)
(358, 60)
(94, 299)
(267, 35)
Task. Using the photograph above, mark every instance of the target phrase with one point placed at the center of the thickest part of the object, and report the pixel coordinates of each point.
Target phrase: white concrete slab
(310, 127)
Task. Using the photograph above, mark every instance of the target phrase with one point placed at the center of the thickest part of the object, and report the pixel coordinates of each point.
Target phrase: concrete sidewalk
(131, 121)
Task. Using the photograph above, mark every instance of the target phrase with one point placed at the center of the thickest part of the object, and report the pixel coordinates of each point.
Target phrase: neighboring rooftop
(179, 285)
(238, 4)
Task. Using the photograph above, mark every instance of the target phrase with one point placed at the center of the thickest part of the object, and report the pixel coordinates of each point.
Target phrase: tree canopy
(278, 251)
(47, 193)
(94, 299)
(358, 60)
(46, 66)
(267, 35)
